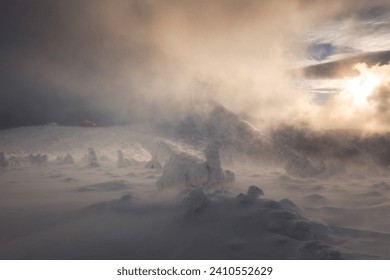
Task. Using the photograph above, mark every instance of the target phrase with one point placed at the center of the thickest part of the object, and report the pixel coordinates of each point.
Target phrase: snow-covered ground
(232, 193)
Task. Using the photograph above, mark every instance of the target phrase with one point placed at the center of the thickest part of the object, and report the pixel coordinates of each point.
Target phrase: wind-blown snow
(280, 201)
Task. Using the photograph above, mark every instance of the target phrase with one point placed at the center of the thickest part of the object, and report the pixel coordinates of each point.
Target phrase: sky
(115, 62)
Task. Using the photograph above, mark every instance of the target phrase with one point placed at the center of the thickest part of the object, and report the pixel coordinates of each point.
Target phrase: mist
(125, 58)
(224, 129)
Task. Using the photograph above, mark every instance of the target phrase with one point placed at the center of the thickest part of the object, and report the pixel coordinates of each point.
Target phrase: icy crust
(183, 170)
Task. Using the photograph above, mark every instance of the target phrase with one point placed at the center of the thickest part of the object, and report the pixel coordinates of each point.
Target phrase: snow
(113, 204)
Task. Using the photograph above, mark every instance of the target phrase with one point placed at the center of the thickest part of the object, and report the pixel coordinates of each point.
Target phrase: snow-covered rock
(194, 200)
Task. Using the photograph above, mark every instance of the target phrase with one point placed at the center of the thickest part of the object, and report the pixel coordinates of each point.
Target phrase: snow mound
(251, 195)
(254, 192)
(284, 221)
(194, 200)
(183, 170)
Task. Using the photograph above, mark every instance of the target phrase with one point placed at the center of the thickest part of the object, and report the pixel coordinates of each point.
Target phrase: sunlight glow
(359, 89)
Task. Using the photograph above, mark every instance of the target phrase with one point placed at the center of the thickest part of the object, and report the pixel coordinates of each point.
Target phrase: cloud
(344, 66)
(362, 102)
(138, 60)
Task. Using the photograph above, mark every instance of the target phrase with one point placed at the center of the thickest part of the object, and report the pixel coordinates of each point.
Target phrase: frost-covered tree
(3, 160)
(92, 158)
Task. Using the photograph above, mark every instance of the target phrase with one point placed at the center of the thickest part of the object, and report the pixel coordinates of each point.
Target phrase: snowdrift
(142, 192)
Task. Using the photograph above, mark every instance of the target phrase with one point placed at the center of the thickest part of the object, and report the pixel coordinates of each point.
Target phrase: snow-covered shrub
(68, 159)
(216, 176)
(122, 161)
(92, 158)
(229, 176)
(38, 158)
(251, 195)
(14, 160)
(3, 160)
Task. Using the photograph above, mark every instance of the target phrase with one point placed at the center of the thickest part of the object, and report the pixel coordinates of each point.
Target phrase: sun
(358, 89)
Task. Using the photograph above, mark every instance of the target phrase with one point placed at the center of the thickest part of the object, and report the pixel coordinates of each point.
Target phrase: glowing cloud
(357, 90)
(363, 102)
